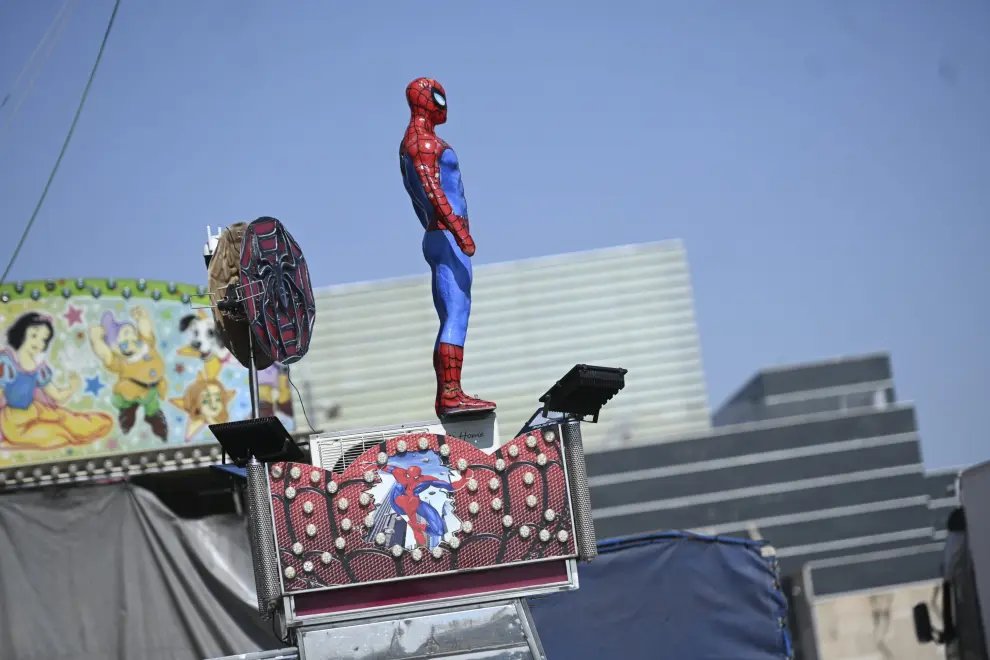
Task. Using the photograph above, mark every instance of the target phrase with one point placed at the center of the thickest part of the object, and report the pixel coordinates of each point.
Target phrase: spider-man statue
(432, 177)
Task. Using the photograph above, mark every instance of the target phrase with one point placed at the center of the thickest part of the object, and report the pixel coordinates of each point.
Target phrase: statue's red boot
(451, 399)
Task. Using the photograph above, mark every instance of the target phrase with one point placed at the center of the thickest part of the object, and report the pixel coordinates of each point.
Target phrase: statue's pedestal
(478, 430)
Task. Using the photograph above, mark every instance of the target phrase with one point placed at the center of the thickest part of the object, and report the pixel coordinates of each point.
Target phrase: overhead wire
(65, 144)
(37, 49)
(34, 75)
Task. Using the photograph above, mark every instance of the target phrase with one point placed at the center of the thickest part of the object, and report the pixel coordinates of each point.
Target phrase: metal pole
(577, 477)
(263, 554)
(253, 377)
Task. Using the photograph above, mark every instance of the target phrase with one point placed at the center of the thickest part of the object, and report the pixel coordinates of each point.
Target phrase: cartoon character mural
(274, 395)
(205, 401)
(91, 367)
(414, 501)
(128, 350)
(203, 342)
(32, 406)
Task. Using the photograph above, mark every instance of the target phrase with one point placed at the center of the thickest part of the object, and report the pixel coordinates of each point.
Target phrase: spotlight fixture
(583, 391)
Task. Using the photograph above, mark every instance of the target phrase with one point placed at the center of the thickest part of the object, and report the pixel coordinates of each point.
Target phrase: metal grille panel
(577, 477)
(263, 556)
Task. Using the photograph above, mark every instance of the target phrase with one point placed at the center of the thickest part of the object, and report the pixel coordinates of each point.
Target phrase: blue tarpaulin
(671, 596)
(232, 470)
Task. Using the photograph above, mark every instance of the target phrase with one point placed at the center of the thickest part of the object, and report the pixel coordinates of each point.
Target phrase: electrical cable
(34, 76)
(302, 404)
(65, 145)
(282, 640)
(34, 54)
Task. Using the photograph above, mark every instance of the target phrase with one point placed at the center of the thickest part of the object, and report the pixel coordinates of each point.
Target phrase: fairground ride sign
(108, 376)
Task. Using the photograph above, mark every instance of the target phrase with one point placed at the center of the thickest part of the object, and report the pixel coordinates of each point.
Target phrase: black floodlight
(264, 438)
(583, 391)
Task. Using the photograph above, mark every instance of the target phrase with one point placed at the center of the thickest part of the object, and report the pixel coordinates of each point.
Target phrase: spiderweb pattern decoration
(281, 310)
(309, 536)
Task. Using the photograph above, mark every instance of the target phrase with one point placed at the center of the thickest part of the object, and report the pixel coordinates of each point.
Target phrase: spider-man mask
(427, 98)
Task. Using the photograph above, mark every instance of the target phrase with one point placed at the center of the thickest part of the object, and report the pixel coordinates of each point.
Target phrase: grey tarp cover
(109, 573)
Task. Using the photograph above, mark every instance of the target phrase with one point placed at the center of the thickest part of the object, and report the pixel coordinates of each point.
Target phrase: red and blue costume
(432, 177)
(424, 520)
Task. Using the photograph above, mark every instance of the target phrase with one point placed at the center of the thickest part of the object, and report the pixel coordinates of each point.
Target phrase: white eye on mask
(438, 97)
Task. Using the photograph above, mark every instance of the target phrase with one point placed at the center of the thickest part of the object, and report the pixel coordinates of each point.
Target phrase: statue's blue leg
(438, 303)
(452, 275)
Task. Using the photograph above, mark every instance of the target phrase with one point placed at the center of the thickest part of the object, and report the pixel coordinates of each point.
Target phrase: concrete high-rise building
(820, 460)
(531, 321)
(803, 389)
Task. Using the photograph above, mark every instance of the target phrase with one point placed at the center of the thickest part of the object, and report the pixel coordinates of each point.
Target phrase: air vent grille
(337, 453)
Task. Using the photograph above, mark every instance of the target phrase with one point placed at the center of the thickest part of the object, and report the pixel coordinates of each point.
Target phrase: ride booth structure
(423, 539)
(432, 539)
(411, 542)
(397, 537)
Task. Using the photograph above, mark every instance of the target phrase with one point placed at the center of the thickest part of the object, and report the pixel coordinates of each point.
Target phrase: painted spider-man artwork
(278, 294)
(432, 177)
(353, 527)
(418, 496)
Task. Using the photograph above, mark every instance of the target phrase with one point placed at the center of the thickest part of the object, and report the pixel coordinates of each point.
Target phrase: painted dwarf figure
(432, 178)
(128, 349)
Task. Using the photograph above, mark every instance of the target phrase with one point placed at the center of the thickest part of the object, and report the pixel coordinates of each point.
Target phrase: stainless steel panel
(280, 654)
(487, 632)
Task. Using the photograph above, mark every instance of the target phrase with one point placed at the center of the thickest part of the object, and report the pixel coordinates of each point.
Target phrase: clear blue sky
(827, 163)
